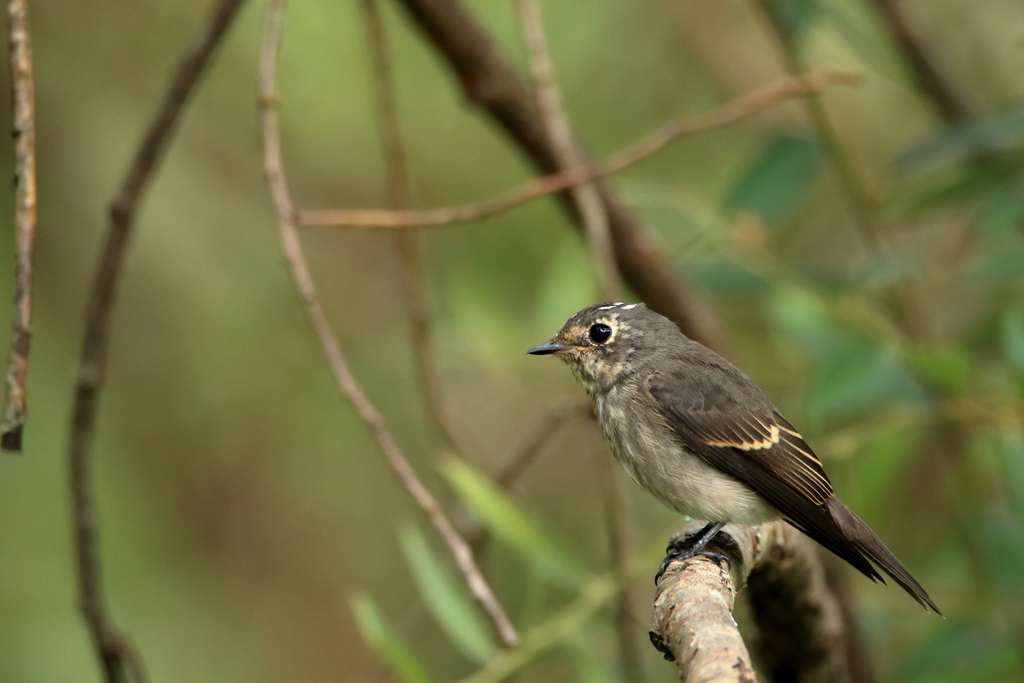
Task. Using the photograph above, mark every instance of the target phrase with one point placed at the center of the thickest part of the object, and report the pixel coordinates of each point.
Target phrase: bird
(698, 434)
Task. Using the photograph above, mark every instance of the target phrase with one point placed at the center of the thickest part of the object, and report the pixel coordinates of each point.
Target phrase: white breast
(654, 458)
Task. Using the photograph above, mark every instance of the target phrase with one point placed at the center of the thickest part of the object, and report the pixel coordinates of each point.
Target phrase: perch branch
(566, 150)
(399, 194)
(746, 105)
(23, 101)
(373, 420)
(692, 622)
(118, 658)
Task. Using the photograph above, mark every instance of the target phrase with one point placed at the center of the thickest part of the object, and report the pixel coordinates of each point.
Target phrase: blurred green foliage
(246, 519)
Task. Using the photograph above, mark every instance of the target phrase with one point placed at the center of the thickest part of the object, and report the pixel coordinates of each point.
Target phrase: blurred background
(251, 531)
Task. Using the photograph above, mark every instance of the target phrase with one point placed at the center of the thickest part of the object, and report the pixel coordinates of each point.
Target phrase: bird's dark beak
(548, 347)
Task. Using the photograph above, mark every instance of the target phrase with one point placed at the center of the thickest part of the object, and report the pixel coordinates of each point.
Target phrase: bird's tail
(865, 540)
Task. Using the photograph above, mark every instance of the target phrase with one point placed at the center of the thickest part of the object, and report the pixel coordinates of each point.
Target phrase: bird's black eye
(600, 333)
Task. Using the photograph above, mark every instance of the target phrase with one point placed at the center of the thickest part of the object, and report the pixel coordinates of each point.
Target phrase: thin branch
(477, 534)
(567, 154)
(742, 107)
(617, 531)
(23, 100)
(117, 657)
(488, 81)
(399, 195)
(929, 79)
(373, 420)
(566, 150)
(528, 450)
(692, 622)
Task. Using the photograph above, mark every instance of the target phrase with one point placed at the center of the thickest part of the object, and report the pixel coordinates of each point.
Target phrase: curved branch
(743, 106)
(692, 622)
(372, 419)
(118, 658)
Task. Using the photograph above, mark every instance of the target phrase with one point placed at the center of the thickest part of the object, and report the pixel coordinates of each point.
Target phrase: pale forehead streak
(631, 306)
(605, 308)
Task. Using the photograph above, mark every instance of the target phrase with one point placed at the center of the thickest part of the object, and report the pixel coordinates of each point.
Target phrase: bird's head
(604, 340)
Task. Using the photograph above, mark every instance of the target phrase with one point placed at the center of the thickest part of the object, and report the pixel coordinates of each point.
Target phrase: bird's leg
(694, 545)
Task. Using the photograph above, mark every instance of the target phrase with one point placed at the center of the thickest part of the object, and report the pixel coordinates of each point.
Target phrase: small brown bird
(698, 434)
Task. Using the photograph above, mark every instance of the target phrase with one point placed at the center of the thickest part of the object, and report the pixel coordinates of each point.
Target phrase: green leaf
(590, 667)
(1013, 338)
(1001, 537)
(796, 15)
(999, 133)
(513, 526)
(857, 377)
(947, 371)
(878, 463)
(446, 600)
(723, 276)
(959, 650)
(1011, 457)
(385, 641)
(779, 178)
(802, 315)
(1004, 208)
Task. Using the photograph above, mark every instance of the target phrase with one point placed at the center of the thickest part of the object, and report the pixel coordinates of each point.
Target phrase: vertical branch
(491, 83)
(567, 154)
(23, 100)
(566, 150)
(616, 516)
(116, 655)
(373, 420)
(399, 196)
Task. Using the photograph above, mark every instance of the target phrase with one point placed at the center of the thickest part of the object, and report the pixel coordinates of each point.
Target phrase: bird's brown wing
(729, 422)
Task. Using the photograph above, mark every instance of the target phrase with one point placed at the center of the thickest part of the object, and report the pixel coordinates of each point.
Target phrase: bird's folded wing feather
(755, 441)
(750, 440)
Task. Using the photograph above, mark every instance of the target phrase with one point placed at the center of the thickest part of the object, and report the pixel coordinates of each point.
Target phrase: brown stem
(566, 150)
(118, 659)
(801, 630)
(488, 81)
(399, 195)
(929, 79)
(746, 105)
(23, 99)
(692, 622)
(617, 531)
(372, 419)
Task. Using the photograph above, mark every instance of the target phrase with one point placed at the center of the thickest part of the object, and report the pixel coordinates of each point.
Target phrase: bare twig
(116, 655)
(491, 83)
(692, 622)
(406, 244)
(567, 154)
(746, 105)
(372, 419)
(477, 534)
(566, 150)
(23, 100)
(525, 454)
